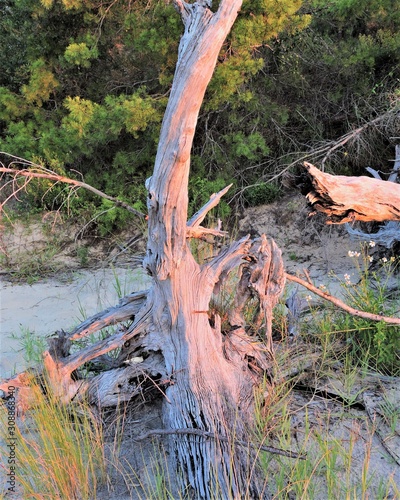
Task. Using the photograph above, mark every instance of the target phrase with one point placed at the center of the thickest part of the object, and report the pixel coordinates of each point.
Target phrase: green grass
(367, 344)
(32, 345)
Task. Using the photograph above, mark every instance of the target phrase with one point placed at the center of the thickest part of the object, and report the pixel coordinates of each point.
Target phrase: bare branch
(194, 230)
(201, 232)
(229, 258)
(351, 135)
(74, 361)
(127, 308)
(341, 304)
(183, 9)
(199, 216)
(201, 433)
(39, 172)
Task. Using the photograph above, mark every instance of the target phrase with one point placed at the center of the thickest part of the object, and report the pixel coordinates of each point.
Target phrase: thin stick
(29, 174)
(199, 432)
(342, 305)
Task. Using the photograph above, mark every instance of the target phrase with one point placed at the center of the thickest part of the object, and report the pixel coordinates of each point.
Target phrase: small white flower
(347, 279)
(322, 286)
(370, 258)
(384, 259)
(308, 298)
(372, 244)
(350, 253)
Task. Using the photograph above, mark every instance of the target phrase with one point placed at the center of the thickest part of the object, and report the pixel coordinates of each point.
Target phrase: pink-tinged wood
(348, 199)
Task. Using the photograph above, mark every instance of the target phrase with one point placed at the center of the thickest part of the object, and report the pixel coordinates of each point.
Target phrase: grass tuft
(59, 449)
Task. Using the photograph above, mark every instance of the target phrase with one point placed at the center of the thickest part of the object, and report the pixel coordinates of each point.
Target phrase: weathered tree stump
(170, 333)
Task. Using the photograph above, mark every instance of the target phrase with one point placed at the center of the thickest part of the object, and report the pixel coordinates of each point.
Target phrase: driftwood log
(389, 232)
(349, 199)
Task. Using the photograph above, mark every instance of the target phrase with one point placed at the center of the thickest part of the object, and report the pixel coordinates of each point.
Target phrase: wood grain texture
(348, 199)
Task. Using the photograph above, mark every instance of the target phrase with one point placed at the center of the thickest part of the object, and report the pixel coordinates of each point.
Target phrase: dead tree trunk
(208, 373)
(212, 373)
(348, 199)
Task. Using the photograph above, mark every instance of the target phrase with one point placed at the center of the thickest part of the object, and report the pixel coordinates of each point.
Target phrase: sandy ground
(306, 242)
(73, 294)
(44, 307)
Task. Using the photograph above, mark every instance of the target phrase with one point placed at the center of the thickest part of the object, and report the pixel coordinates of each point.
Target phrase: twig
(199, 432)
(350, 135)
(342, 305)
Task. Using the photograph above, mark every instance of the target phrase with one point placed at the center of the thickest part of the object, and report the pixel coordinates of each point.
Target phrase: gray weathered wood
(209, 373)
(389, 233)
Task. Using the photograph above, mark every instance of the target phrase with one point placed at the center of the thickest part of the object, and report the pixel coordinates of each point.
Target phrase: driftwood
(389, 233)
(171, 337)
(348, 199)
(339, 303)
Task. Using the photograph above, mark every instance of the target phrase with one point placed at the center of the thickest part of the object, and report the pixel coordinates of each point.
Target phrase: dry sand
(44, 307)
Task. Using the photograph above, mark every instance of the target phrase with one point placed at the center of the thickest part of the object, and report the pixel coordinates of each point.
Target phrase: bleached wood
(211, 373)
(215, 198)
(389, 232)
(347, 199)
(210, 392)
(127, 308)
(339, 303)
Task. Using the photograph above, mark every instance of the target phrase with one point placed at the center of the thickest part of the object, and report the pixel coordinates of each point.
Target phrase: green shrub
(260, 194)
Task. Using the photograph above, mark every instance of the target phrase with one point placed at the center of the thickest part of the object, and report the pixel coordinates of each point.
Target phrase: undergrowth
(373, 288)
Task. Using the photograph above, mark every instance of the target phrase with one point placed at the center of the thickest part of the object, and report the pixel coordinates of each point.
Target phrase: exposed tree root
(198, 432)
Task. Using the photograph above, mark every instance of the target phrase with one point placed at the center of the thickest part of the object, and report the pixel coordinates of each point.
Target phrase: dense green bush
(84, 86)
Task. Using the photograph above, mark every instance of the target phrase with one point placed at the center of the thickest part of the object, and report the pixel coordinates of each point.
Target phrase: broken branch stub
(348, 199)
(263, 276)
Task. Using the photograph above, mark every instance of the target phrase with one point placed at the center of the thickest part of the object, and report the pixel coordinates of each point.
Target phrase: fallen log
(349, 199)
